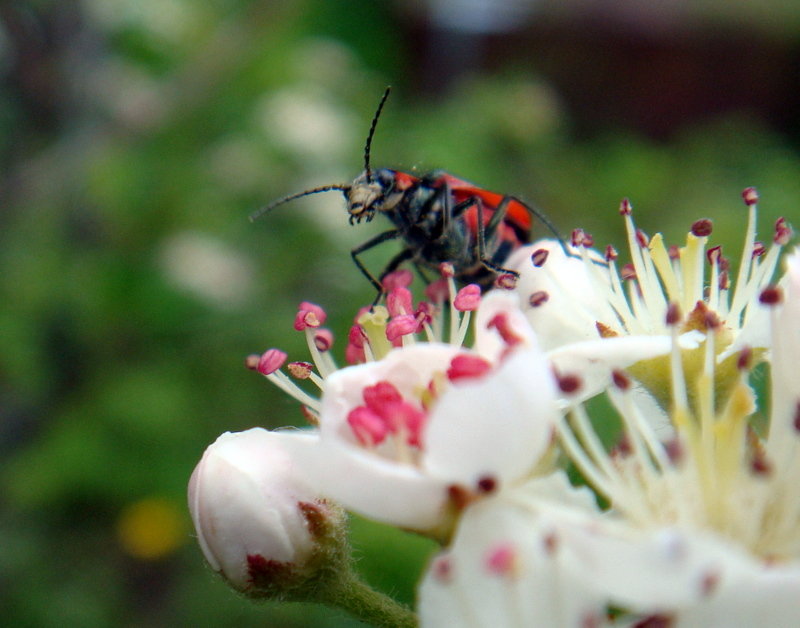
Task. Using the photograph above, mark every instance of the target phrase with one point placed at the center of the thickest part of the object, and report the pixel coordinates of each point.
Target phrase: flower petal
(505, 570)
(575, 300)
(497, 426)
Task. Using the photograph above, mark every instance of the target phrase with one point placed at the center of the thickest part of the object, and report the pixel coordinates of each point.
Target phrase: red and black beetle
(438, 217)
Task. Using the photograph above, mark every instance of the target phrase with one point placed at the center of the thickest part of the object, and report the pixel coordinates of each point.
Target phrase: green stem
(367, 604)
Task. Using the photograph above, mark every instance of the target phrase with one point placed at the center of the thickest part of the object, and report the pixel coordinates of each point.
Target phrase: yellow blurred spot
(151, 528)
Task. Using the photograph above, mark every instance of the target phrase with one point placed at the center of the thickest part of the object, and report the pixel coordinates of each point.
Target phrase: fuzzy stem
(366, 604)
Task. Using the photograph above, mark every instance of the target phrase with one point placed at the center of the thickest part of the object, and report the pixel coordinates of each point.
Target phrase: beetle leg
(539, 215)
(490, 229)
(421, 272)
(366, 246)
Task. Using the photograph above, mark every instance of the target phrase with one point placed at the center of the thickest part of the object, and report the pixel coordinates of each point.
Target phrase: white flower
(423, 426)
(725, 489)
(427, 451)
(584, 296)
(507, 566)
(259, 520)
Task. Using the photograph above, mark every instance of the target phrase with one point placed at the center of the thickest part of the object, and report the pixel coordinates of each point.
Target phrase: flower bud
(258, 521)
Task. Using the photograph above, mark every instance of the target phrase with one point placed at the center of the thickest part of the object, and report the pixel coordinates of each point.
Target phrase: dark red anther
(771, 295)
(627, 272)
(323, 339)
(538, 298)
(487, 484)
(506, 281)
(621, 379)
(539, 257)
(569, 384)
(783, 232)
(750, 196)
(744, 360)
(702, 228)
(714, 254)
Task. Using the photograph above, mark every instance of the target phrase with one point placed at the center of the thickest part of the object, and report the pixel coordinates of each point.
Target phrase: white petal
(767, 597)
(594, 360)
(373, 482)
(577, 296)
(786, 348)
(380, 489)
(496, 426)
(648, 571)
(463, 588)
(409, 369)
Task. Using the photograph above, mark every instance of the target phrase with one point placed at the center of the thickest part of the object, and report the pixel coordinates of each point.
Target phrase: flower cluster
(459, 417)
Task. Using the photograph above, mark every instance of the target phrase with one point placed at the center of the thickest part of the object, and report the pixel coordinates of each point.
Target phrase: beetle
(438, 217)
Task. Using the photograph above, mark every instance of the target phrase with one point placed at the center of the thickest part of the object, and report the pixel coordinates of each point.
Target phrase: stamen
(397, 279)
(399, 301)
(538, 298)
(783, 232)
(506, 281)
(300, 370)
(621, 379)
(270, 361)
(487, 484)
(771, 295)
(367, 426)
(437, 291)
(673, 316)
(740, 295)
(577, 237)
(323, 339)
(309, 315)
(750, 196)
(468, 298)
(744, 362)
(702, 228)
(401, 326)
(568, 384)
(539, 257)
(466, 366)
(502, 324)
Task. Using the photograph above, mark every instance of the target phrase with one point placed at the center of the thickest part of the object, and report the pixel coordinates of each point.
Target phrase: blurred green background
(136, 138)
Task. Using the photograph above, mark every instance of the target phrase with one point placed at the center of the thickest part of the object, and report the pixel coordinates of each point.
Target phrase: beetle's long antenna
(324, 188)
(374, 124)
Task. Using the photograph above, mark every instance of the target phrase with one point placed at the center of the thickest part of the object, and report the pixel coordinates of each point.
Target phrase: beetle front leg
(366, 246)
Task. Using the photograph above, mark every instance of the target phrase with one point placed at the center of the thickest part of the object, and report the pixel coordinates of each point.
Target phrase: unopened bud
(258, 521)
